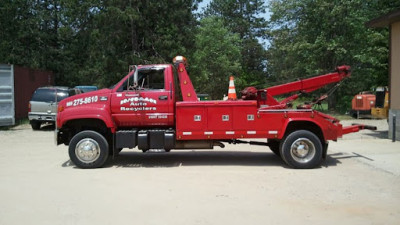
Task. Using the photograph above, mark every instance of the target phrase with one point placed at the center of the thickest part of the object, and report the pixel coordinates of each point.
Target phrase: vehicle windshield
(85, 89)
(49, 95)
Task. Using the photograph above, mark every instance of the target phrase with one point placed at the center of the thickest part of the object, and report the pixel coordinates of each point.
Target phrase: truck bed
(242, 119)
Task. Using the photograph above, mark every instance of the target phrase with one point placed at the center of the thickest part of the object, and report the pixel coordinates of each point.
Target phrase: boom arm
(302, 86)
(310, 84)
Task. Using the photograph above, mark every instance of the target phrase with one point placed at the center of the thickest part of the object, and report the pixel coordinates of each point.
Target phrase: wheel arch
(304, 125)
(74, 126)
(84, 112)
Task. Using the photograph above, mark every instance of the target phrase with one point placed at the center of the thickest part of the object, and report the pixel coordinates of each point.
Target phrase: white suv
(43, 104)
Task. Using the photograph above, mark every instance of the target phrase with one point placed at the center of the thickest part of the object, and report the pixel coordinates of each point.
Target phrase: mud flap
(114, 151)
(325, 149)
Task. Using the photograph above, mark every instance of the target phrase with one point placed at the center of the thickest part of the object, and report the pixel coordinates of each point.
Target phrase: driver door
(146, 104)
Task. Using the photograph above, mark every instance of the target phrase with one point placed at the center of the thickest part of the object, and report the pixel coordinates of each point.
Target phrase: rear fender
(294, 124)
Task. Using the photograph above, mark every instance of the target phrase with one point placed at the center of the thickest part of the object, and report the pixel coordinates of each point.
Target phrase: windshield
(49, 95)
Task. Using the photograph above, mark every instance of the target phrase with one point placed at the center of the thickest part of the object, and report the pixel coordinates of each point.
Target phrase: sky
(204, 3)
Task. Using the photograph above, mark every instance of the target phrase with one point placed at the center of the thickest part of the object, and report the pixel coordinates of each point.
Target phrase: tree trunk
(332, 99)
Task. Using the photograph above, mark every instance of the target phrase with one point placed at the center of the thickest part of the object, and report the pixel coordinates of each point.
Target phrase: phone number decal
(83, 101)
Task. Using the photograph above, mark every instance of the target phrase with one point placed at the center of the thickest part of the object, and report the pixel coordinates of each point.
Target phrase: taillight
(29, 107)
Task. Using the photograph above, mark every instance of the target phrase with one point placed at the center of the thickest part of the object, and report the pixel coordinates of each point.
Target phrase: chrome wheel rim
(302, 150)
(87, 150)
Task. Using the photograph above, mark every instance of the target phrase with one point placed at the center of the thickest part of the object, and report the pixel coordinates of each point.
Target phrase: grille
(359, 103)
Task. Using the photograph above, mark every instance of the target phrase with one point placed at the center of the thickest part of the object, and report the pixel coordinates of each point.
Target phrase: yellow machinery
(381, 108)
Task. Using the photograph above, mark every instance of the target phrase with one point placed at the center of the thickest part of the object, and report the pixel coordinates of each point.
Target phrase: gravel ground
(241, 184)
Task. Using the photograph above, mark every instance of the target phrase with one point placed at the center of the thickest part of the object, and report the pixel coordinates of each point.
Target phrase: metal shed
(17, 85)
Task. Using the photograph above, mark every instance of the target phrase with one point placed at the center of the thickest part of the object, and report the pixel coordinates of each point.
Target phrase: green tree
(313, 37)
(217, 56)
(94, 42)
(18, 33)
(38, 34)
(135, 32)
(243, 17)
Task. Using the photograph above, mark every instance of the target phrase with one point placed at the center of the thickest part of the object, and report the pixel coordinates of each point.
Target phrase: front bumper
(43, 117)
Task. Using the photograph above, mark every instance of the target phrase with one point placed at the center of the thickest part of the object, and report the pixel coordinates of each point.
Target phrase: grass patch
(339, 116)
(323, 107)
(17, 123)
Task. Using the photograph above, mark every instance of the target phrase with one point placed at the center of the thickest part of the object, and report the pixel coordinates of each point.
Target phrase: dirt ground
(359, 183)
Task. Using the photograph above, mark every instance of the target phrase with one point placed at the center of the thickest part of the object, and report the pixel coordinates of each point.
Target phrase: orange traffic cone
(232, 90)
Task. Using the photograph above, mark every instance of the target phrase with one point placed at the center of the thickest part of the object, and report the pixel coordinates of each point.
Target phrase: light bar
(179, 59)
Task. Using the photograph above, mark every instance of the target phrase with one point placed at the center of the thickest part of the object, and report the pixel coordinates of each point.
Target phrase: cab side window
(148, 79)
(151, 79)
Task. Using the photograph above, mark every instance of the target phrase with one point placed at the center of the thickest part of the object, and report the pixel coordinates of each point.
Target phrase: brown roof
(385, 20)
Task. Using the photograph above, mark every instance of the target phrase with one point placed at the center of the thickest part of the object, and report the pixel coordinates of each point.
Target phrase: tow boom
(303, 86)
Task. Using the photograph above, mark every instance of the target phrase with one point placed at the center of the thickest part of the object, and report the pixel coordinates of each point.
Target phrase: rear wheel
(35, 125)
(302, 149)
(88, 149)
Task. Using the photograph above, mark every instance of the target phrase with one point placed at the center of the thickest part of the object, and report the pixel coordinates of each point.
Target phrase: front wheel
(302, 149)
(88, 149)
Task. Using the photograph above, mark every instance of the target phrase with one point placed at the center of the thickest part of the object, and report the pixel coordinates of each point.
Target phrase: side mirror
(135, 78)
(134, 85)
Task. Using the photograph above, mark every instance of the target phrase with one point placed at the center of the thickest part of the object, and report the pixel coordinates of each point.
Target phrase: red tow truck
(142, 111)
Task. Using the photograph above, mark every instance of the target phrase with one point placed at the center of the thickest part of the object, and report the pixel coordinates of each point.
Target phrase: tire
(353, 114)
(35, 125)
(274, 146)
(88, 149)
(302, 149)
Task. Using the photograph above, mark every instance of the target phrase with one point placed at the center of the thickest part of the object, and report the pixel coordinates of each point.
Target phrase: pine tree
(243, 17)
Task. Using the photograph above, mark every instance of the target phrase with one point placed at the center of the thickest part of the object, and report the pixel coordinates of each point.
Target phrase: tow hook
(364, 127)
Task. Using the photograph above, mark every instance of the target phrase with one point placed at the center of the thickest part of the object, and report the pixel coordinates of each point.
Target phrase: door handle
(163, 97)
(131, 95)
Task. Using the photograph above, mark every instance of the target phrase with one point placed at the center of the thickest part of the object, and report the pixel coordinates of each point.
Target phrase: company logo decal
(138, 99)
(140, 102)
